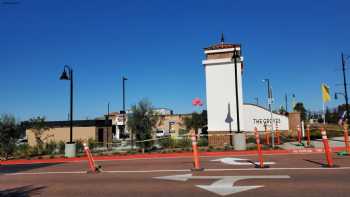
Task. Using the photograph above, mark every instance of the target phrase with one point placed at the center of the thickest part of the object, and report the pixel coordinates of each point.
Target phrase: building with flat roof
(99, 130)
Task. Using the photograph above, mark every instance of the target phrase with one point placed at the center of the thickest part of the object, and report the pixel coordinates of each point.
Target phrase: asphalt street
(287, 175)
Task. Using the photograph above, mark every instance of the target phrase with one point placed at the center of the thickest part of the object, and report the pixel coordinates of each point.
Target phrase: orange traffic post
(195, 154)
(299, 134)
(278, 136)
(267, 136)
(260, 155)
(308, 135)
(91, 162)
(327, 149)
(346, 138)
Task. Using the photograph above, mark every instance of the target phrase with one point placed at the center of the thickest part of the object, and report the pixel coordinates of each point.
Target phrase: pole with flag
(325, 98)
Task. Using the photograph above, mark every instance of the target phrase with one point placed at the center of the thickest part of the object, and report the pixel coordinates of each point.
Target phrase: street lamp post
(124, 115)
(107, 126)
(269, 100)
(124, 79)
(70, 146)
(235, 56)
(343, 59)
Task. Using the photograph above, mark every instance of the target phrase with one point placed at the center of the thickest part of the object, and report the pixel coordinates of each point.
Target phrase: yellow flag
(325, 93)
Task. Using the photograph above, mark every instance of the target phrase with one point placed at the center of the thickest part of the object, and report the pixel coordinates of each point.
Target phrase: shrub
(132, 152)
(183, 143)
(183, 132)
(92, 143)
(203, 141)
(23, 150)
(61, 147)
(79, 146)
(34, 151)
(167, 142)
(251, 139)
(50, 148)
(315, 135)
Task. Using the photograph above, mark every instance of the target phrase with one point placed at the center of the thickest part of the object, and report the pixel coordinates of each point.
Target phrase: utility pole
(286, 101)
(106, 124)
(345, 88)
(269, 102)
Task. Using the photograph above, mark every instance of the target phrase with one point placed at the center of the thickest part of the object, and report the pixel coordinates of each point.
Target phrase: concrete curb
(167, 155)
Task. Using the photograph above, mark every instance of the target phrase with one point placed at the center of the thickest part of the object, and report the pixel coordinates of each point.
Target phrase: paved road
(291, 175)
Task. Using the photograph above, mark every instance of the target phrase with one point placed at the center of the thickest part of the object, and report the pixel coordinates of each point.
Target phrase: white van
(162, 133)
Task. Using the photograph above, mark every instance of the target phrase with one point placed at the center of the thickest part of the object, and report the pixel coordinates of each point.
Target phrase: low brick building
(99, 130)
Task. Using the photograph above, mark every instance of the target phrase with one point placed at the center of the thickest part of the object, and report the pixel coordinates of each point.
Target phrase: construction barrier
(260, 156)
(195, 154)
(346, 139)
(278, 136)
(91, 161)
(327, 149)
(308, 135)
(267, 136)
(299, 134)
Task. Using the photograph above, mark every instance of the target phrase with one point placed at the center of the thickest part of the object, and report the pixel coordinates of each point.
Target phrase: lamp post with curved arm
(67, 74)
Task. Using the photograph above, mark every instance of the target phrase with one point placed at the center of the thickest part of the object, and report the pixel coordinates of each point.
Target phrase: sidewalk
(298, 150)
(333, 142)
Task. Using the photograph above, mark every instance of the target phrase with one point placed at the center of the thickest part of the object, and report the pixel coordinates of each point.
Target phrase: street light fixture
(269, 101)
(70, 146)
(338, 93)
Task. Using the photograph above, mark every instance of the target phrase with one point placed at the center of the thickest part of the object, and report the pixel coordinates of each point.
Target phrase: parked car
(22, 141)
(162, 133)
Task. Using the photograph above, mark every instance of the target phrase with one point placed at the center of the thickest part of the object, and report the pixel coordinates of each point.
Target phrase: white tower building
(227, 112)
(223, 71)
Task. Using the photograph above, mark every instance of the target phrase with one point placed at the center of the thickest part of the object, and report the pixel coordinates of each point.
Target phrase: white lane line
(179, 170)
(170, 157)
(218, 170)
(266, 169)
(207, 156)
(143, 171)
(42, 173)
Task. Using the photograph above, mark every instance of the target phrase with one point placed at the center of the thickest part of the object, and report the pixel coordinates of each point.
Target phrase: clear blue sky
(159, 45)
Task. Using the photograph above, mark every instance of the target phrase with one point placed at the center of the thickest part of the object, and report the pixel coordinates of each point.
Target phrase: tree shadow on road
(315, 162)
(23, 167)
(24, 191)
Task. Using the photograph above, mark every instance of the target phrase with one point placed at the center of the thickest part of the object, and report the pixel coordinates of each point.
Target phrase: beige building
(172, 124)
(99, 130)
(168, 123)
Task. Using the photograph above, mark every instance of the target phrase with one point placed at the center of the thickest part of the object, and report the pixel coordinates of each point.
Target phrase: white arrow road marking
(239, 161)
(182, 177)
(225, 185)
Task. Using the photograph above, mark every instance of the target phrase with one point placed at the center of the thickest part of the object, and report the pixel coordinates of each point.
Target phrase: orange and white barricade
(299, 134)
(195, 154)
(327, 148)
(346, 139)
(308, 135)
(260, 155)
(91, 161)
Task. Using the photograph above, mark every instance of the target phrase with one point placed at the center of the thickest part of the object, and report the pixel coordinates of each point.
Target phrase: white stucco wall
(256, 116)
(220, 91)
